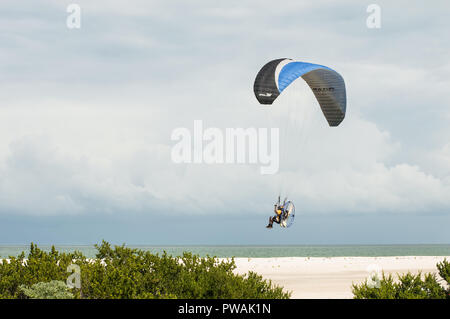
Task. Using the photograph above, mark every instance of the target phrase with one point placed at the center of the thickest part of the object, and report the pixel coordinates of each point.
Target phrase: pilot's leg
(270, 222)
(276, 219)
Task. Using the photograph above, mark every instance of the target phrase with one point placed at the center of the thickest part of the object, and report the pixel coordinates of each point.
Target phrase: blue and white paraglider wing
(327, 85)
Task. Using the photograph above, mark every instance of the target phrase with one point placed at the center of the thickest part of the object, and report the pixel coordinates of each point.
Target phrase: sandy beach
(320, 277)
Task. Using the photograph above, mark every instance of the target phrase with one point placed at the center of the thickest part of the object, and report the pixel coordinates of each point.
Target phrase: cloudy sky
(86, 117)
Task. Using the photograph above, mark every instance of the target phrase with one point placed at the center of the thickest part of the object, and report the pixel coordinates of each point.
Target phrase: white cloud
(84, 160)
(86, 117)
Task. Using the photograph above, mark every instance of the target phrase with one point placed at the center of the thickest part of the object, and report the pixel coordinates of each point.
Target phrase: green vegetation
(121, 272)
(408, 286)
(54, 289)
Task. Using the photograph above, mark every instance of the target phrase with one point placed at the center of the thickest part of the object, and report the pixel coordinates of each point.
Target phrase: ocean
(262, 251)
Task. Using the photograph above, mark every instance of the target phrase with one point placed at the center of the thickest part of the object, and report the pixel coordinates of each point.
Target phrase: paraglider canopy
(327, 85)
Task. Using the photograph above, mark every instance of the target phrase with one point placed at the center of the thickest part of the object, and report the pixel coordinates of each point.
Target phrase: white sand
(319, 277)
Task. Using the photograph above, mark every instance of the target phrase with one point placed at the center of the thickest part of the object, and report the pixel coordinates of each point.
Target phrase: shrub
(408, 286)
(54, 289)
(38, 266)
(122, 272)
